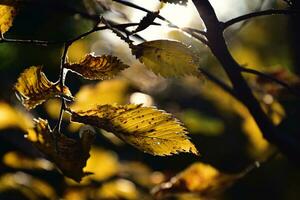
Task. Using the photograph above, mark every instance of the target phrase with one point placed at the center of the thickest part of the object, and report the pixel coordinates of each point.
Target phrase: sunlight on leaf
(7, 14)
(198, 178)
(33, 88)
(118, 189)
(146, 128)
(29, 186)
(68, 154)
(167, 58)
(18, 160)
(97, 67)
(108, 92)
(11, 117)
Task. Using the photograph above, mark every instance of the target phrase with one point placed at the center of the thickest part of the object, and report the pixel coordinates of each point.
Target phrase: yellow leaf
(198, 178)
(167, 58)
(11, 117)
(108, 92)
(146, 128)
(18, 160)
(97, 67)
(33, 88)
(7, 14)
(68, 154)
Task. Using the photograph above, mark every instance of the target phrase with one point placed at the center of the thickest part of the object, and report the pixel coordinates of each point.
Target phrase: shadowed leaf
(97, 67)
(146, 128)
(68, 154)
(7, 14)
(180, 2)
(33, 88)
(198, 178)
(146, 21)
(167, 58)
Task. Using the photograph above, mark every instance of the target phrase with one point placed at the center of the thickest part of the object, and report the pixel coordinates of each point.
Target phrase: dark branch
(268, 77)
(259, 14)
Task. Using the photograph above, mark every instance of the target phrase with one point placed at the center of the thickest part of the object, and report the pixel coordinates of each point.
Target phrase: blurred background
(220, 127)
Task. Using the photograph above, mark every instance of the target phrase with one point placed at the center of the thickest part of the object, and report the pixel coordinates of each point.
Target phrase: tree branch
(220, 50)
(259, 14)
(266, 76)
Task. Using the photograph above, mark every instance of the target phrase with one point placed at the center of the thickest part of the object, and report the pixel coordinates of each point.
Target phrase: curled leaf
(7, 14)
(33, 88)
(97, 67)
(68, 154)
(167, 58)
(198, 178)
(146, 128)
(180, 2)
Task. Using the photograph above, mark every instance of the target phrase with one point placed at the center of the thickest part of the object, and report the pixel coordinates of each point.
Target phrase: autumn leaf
(97, 67)
(180, 2)
(7, 14)
(68, 154)
(33, 88)
(198, 178)
(167, 58)
(146, 128)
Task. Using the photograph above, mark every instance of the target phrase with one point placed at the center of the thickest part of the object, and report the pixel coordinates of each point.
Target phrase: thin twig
(268, 77)
(220, 83)
(259, 14)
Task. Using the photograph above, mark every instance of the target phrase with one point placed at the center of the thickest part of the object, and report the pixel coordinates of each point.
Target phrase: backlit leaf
(146, 21)
(68, 154)
(146, 128)
(7, 14)
(97, 67)
(33, 88)
(180, 2)
(167, 58)
(199, 178)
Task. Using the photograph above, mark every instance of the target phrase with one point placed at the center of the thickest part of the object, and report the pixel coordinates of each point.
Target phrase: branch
(266, 76)
(220, 83)
(220, 50)
(259, 14)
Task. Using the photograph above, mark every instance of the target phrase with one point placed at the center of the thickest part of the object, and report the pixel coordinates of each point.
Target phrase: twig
(220, 83)
(259, 14)
(266, 76)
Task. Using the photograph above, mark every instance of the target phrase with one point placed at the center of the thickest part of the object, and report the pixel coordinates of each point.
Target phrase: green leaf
(146, 128)
(167, 58)
(97, 67)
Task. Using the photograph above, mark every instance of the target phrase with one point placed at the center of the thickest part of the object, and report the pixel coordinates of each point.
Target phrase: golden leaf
(167, 58)
(33, 88)
(7, 14)
(146, 128)
(97, 67)
(68, 154)
(198, 178)
(11, 117)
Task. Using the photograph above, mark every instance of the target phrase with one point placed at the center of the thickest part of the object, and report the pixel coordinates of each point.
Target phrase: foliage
(235, 118)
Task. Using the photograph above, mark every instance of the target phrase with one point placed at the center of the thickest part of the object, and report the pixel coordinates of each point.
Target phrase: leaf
(33, 88)
(7, 14)
(68, 154)
(198, 178)
(97, 67)
(167, 58)
(146, 21)
(146, 128)
(180, 2)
